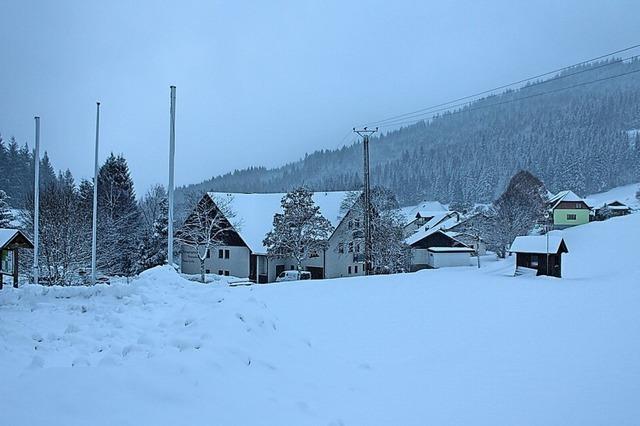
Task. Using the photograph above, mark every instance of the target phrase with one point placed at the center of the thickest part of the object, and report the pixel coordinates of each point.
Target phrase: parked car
(293, 276)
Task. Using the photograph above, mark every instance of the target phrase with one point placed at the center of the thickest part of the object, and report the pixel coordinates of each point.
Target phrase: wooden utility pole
(365, 133)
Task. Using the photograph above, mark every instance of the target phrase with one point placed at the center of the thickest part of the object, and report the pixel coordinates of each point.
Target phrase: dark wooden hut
(11, 241)
(539, 255)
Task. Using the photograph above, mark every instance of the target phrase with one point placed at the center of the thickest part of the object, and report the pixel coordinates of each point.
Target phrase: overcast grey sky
(261, 83)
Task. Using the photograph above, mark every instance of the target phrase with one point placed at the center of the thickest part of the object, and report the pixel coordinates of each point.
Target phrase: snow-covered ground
(451, 346)
(625, 194)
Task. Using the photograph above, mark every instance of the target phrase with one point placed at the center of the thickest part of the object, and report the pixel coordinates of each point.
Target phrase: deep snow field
(444, 347)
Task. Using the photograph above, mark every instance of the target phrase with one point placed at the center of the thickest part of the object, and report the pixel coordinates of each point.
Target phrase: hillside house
(469, 232)
(421, 214)
(433, 248)
(611, 209)
(243, 255)
(568, 209)
(11, 241)
(539, 255)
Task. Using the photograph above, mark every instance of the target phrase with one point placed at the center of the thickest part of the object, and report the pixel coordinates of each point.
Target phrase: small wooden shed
(11, 240)
(539, 255)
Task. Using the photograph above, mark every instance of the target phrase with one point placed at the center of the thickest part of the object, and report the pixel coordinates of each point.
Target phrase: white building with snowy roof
(244, 255)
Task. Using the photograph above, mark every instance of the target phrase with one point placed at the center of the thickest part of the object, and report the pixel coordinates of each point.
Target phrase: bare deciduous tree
(207, 225)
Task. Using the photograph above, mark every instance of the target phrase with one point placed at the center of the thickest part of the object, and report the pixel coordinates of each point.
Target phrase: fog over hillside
(571, 132)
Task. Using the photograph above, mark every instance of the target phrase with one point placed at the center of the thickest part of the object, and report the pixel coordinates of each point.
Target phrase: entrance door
(317, 273)
(279, 269)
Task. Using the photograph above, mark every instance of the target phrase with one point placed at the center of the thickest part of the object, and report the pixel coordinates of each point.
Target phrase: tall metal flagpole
(172, 151)
(94, 230)
(36, 203)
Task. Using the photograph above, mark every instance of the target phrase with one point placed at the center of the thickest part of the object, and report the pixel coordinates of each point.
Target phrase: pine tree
(6, 216)
(300, 230)
(153, 246)
(119, 218)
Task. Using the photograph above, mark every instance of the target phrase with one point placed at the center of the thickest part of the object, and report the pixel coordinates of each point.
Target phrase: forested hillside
(16, 171)
(582, 138)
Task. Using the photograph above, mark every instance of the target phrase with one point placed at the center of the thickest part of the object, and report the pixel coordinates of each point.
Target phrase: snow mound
(448, 346)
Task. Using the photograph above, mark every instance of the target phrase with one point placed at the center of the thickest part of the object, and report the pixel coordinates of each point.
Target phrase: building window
(220, 254)
(6, 264)
(314, 253)
(350, 224)
(220, 272)
(355, 269)
(226, 254)
(208, 271)
(534, 260)
(571, 216)
(349, 270)
(357, 223)
(340, 247)
(226, 273)
(208, 254)
(578, 205)
(358, 248)
(350, 246)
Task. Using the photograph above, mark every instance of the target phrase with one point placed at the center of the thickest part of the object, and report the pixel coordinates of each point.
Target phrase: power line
(405, 115)
(416, 117)
(520, 98)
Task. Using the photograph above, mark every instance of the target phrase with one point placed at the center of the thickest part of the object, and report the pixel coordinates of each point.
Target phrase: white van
(293, 276)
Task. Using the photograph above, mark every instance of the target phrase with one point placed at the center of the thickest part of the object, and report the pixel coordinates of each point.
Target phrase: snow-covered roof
(442, 220)
(451, 249)
(611, 205)
(536, 244)
(568, 196)
(7, 234)
(425, 209)
(254, 212)
(625, 194)
(623, 207)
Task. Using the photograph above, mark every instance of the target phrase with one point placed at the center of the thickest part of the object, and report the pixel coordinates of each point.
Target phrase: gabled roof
(425, 232)
(614, 205)
(424, 209)
(538, 244)
(568, 196)
(449, 220)
(254, 212)
(8, 236)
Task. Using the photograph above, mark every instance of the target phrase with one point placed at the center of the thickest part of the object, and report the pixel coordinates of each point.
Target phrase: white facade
(254, 213)
(222, 260)
(444, 259)
(440, 257)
